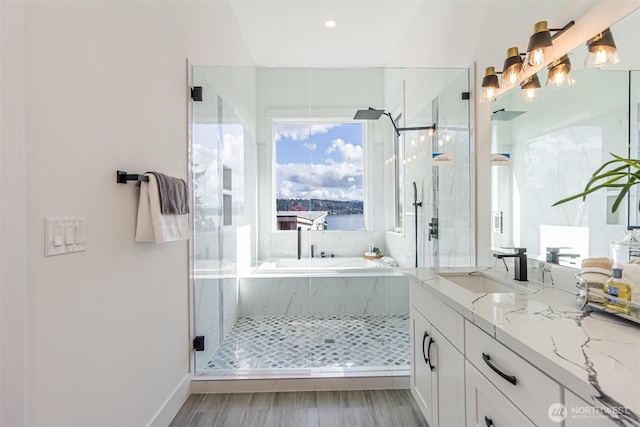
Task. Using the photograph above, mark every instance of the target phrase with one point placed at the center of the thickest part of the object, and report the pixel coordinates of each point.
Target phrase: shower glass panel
(452, 202)
(220, 130)
(439, 163)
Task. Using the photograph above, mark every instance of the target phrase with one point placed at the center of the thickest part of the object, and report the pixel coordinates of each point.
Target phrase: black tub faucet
(520, 265)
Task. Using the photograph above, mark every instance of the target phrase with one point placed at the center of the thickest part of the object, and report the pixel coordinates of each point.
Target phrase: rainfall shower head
(370, 114)
(505, 116)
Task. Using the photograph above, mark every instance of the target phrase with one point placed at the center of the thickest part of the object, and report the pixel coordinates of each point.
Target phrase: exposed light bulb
(537, 57)
(490, 92)
(600, 57)
(530, 93)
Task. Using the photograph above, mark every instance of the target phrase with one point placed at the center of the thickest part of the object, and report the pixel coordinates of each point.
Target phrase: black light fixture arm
(398, 130)
(559, 31)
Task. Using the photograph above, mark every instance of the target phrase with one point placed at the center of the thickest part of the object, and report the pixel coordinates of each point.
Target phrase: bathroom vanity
(487, 350)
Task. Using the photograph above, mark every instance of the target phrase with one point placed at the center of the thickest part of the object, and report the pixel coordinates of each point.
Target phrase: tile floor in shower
(320, 343)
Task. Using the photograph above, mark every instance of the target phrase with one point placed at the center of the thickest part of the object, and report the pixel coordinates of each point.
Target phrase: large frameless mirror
(547, 141)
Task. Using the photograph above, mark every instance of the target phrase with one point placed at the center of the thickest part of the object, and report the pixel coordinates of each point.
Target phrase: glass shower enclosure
(289, 192)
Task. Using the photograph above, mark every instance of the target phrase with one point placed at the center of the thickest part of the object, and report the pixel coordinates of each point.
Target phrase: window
(319, 175)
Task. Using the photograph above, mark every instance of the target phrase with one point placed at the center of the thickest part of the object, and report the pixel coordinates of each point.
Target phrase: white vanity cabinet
(437, 366)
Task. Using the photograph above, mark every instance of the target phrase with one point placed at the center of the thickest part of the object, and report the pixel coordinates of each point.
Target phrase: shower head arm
(432, 127)
(398, 130)
(393, 122)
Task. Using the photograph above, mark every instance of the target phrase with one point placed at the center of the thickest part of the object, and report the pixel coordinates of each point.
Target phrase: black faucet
(520, 265)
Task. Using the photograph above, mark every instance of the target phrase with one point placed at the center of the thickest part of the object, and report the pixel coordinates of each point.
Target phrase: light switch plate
(54, 237)
(65, 235)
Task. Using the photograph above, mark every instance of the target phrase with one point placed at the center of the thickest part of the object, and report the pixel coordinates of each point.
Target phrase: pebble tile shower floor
(322, 342)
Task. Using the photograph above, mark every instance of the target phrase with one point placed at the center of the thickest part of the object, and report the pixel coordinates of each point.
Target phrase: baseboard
(206, 385)
(172, 405)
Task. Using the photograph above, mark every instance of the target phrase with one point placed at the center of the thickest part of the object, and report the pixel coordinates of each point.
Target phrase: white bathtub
(324, 266)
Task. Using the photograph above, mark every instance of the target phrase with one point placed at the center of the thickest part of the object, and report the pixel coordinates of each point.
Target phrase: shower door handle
(433, 228)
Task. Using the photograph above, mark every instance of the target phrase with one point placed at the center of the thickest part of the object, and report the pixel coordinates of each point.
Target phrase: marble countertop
(596, 355)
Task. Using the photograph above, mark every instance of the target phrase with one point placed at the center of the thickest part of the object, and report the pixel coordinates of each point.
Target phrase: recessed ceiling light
(330, 23)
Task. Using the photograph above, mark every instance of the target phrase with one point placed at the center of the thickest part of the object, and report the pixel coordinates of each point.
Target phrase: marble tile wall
(289, 296)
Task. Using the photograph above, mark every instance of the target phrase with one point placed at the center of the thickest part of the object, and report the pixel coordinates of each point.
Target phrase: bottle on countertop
(618, 288)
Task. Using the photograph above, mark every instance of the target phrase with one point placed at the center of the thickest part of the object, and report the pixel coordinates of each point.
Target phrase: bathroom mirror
(547, 150)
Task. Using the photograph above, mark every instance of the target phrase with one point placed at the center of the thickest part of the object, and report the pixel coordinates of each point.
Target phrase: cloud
(310, 146)
(300, 131)
(348, 151)
(336, 181)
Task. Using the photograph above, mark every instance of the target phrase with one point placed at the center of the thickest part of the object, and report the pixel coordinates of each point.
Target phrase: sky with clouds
(320, 161)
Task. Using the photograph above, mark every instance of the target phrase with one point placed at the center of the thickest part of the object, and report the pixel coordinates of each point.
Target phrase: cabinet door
(449, 379)
(421, 374)
(487, 407)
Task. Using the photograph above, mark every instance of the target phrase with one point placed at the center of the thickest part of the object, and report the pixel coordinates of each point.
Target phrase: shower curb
(231, 384)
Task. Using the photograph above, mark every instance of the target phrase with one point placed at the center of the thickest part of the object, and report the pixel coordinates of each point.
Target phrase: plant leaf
(623, 193)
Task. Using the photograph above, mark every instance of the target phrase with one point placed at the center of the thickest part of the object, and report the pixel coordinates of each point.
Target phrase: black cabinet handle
(424, 338)
(488, 421)
(429, 355)
(509, 378)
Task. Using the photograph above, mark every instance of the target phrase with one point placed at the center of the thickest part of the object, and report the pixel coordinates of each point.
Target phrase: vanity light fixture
(512, 70)
(490, 85)
(560, 74)
(602, 50)
(541, 41)
(530, 89)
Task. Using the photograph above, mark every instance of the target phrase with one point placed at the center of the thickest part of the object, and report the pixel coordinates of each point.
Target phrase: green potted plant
(611, 178)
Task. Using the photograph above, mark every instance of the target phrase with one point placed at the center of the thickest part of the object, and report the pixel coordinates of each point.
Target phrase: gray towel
(174, 194)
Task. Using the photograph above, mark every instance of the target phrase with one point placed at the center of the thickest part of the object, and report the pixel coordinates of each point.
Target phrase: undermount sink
(480, 284)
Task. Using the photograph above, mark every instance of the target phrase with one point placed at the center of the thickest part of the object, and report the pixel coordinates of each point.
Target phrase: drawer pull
(488, 421)
(509, 378)
(424, 338)
(429, 355)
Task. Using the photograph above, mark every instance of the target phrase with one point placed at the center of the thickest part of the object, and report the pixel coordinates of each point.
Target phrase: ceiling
(412, 33)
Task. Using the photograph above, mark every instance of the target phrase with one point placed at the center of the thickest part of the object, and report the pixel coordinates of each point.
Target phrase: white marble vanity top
(595, 355)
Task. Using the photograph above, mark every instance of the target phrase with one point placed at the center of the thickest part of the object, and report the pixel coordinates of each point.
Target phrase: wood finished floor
(354, 408)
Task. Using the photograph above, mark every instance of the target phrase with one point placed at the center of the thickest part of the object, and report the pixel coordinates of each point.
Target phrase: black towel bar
(122, 177)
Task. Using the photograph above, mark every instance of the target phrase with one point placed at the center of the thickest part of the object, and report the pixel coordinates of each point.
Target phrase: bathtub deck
(315, 342)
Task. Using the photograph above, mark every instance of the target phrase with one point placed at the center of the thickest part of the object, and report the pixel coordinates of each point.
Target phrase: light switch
(57, 236)
(80, 239)
(68, 235)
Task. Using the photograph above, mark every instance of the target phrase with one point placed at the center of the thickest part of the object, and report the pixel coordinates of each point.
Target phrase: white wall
(107, 329)
(13, 271)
